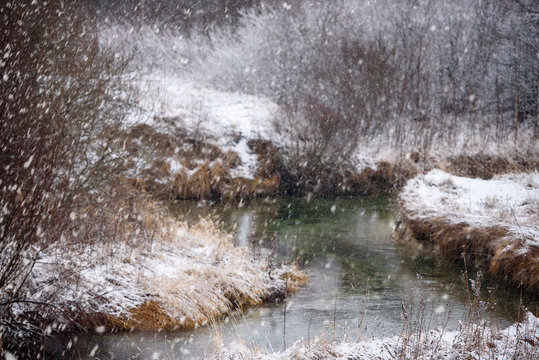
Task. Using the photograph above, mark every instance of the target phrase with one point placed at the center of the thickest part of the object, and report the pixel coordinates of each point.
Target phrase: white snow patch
(510, 200)
(175, 166)
(249, 160)
(9, 356)
(216, 112)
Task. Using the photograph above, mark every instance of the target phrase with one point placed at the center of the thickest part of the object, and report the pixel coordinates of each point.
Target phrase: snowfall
(191, 267)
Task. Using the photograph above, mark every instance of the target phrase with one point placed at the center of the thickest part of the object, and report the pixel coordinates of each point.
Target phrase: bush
(62, 103)
(317, 143)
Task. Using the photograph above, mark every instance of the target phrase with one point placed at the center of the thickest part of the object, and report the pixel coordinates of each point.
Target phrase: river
(359, 282)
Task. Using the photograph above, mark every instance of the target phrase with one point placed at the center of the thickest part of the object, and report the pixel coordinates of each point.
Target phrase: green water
(360, 280)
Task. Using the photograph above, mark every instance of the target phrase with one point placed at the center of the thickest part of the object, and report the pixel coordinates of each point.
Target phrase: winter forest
(269, 179)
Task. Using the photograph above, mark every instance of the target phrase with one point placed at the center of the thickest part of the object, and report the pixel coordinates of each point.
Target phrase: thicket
(63, 100)
(411, 72)
(378, 60)
(187, 16)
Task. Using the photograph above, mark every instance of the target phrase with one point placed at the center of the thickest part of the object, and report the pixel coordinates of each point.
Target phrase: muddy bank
(489, 224)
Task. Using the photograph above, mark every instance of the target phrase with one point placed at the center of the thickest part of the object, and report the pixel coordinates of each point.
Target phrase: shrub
(318, 144)
(62, 103)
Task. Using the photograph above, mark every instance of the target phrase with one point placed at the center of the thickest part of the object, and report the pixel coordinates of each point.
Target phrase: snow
(471, 341)
(229, 119)
(220, 112)
(249, 160)
(187, 270)
(510, 200)
(175, 166)
(225, 118)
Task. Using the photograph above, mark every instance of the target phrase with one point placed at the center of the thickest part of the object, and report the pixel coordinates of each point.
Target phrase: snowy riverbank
(192, 141)
(472, 341)
(493, 223)
(182, 278)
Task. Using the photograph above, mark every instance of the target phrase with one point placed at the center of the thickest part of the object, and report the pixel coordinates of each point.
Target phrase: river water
(359, 282)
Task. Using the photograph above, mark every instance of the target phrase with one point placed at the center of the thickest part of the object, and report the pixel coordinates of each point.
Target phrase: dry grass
(485, 166)
(206, 170)
(148, 316)
(155, 274)
(512, 263)
(473, 340)
(202, 170)
(213, 181)
(270, 163)
(494, 248)
(187, 302)
(387, 178)
(215, 279)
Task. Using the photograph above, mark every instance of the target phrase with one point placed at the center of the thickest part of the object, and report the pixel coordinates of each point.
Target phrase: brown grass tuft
(152, 139)
(388, 178)
(494, 248)
(485, 166)
(149, 316)
(515, 265)
(294, 278)
(268, 186)
(270, 163)
(232, 160)
(198, 185)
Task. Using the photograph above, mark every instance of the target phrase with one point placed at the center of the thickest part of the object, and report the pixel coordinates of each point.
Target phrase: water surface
(360, 282)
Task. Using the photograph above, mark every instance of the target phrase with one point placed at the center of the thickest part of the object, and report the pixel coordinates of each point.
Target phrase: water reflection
(359, 280)
(244, 221)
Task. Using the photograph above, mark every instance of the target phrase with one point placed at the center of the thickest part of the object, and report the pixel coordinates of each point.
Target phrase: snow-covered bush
(379, 61)
(317, 146)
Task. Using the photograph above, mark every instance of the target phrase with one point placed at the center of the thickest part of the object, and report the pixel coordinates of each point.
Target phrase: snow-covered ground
(519, 341)
(227, 119)
(194, 274)
(495, 221)
(510, 200)
(217, 112)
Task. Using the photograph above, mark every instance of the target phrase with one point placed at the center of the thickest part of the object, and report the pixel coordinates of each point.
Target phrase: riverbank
(358, 278)
(196, 142)
(471, 341)
(490, 224)
(174, 277)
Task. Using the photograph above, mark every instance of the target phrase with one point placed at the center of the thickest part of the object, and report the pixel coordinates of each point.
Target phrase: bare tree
(62, 103)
